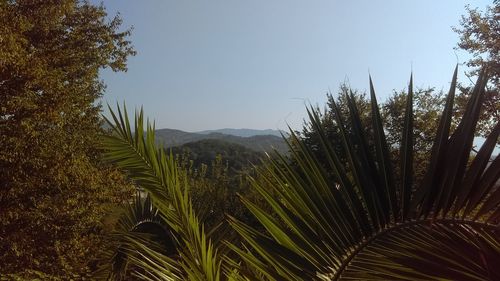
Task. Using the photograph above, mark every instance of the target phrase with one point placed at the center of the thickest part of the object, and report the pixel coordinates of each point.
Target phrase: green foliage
(346, 218)
(141, 221)
(54, 190)
(361, 224)
(309, 134)
(213, 190)
(198, 256)
(236, 157)
(427, 106)
(217, 172)
(480, 36)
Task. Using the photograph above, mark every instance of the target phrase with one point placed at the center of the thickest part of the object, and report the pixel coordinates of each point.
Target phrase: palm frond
(152, 169)
(348, 220)
(139, 221)
(407, 155)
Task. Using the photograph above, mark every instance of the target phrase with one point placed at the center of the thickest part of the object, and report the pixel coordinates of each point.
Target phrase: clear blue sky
(254, 64)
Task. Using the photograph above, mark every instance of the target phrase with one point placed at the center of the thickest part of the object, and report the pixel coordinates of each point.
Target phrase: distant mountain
(237, 156)
(260, 143)
(243, 132)
(172, 137)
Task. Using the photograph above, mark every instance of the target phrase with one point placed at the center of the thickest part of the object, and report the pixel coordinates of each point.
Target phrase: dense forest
(399, 189)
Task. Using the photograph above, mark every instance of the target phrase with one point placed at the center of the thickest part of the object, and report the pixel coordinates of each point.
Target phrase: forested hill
(237, 156)
(259, 143)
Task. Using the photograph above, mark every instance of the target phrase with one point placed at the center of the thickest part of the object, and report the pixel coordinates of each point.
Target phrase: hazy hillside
(243, 132)
(171, 138)
(204, 152)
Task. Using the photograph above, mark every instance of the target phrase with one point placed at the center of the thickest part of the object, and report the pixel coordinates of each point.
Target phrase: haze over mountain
(243, 132)
(252, 139)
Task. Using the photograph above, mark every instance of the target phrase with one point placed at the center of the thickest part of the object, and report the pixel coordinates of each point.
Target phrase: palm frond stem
(394, 227)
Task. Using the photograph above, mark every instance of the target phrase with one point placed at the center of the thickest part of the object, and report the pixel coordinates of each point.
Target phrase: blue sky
(255, 64)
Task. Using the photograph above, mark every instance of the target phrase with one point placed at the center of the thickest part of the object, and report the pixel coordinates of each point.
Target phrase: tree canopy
(53, 189)
(480, 36)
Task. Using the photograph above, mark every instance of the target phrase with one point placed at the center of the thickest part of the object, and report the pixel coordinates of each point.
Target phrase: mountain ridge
(243, 132)
(261, 143)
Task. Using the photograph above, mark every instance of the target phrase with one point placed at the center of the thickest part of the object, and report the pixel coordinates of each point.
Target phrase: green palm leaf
(135, 151)
(139, 221)
(348, 220)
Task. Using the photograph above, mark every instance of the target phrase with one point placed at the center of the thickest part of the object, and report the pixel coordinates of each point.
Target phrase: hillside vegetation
(172, 137)
(236, 157)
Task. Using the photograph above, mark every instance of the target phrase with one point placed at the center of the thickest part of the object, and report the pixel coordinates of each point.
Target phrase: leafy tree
(360, 224)
(237, 157)
(329, 115)
(214, 190)
(54, 191)
(480, 36)
(427, 107)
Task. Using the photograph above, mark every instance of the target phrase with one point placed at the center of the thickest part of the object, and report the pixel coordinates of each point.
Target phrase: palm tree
(343, 220)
